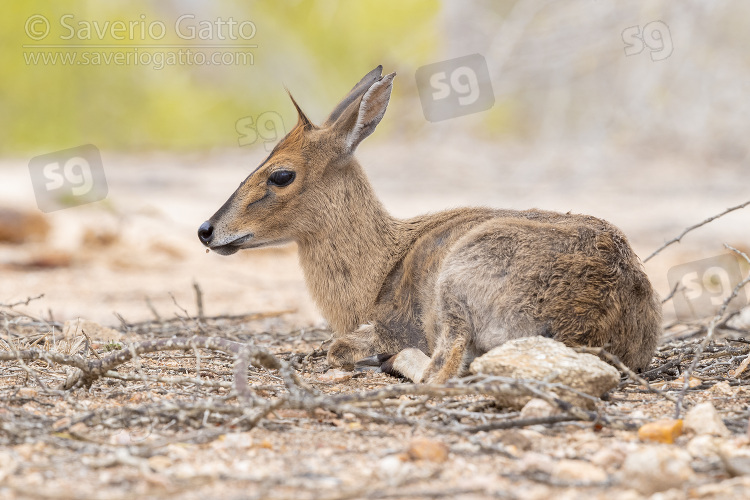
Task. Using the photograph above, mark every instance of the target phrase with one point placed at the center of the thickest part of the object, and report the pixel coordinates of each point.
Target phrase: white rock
(536, 462)
(578, 470)
(393, 470)
(729, 489)
(8, 464)
(541, 358)
(704, 446)
(537, 408)
(608, 458)
(656, 468)
(735, 457)
(704, 419)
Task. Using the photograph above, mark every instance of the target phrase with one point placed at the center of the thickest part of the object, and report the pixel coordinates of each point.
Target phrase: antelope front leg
(349, 348)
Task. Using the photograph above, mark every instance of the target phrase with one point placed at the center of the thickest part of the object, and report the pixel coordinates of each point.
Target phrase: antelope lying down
(426, 295)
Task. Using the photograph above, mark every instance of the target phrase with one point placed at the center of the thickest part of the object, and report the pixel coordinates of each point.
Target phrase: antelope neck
(348, 257)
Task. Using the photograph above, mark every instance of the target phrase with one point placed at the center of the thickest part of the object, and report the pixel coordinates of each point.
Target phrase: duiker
(424, 296)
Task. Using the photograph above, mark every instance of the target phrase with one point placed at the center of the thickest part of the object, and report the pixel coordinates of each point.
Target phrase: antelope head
(306, 173)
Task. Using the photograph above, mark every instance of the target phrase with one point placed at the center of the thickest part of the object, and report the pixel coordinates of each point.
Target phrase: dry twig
(693, 227)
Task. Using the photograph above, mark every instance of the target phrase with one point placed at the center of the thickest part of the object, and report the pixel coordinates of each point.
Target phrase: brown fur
(452, 284)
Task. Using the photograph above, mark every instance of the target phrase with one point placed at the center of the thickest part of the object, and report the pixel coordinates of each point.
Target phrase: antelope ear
(303, 120)
(356, 92)
(360, 118)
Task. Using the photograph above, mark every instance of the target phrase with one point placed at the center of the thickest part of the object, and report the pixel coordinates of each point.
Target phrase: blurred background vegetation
(321, 46)
(558, 69)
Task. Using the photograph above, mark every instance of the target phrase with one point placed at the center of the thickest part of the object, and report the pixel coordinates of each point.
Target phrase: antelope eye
(281, 178)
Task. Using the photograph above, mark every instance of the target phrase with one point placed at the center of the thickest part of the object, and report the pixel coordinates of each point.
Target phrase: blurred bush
(322, 45)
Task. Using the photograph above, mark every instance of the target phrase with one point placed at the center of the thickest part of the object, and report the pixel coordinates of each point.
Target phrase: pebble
(656, 468)
(538, 408)
(392, 469)
(661, 431)
(427, 449)
(704, 419)
(578, 470)
(159, 463)
(335, 376)
(536, 462)
(703, 446)
(8, 464)
(736, 459)
(608, 458)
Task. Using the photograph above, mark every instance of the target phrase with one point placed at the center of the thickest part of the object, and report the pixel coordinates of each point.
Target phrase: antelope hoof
(372, 362)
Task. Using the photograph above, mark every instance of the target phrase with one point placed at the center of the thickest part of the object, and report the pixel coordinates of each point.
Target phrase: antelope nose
(206, 233)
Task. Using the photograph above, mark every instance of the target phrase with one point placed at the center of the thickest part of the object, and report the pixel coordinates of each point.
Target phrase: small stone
(515, 438)
(538, 408)
(393, 470)
(722, 389)
(8, 464)
(335, 376)
(536, 462)
(656, 468)
(427, 449)
(61, 423)
(79, 429)
(679, 382)
(736, 459)
(266, 445)
(159, 463)
(703, 446)
(704, 419)
(578, 470)
(541, 358)
(730, 489)
(608, 458)
(27, 392)
(241, 440)
(661, 431)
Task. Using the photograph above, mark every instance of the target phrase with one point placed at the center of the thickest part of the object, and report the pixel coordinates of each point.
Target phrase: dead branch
(22, 302)
(198, 298)
(710, 331)
(693, 227)
(598, 351)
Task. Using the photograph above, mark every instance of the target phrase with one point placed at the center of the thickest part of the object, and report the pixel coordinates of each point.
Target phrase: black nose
(206, 233)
